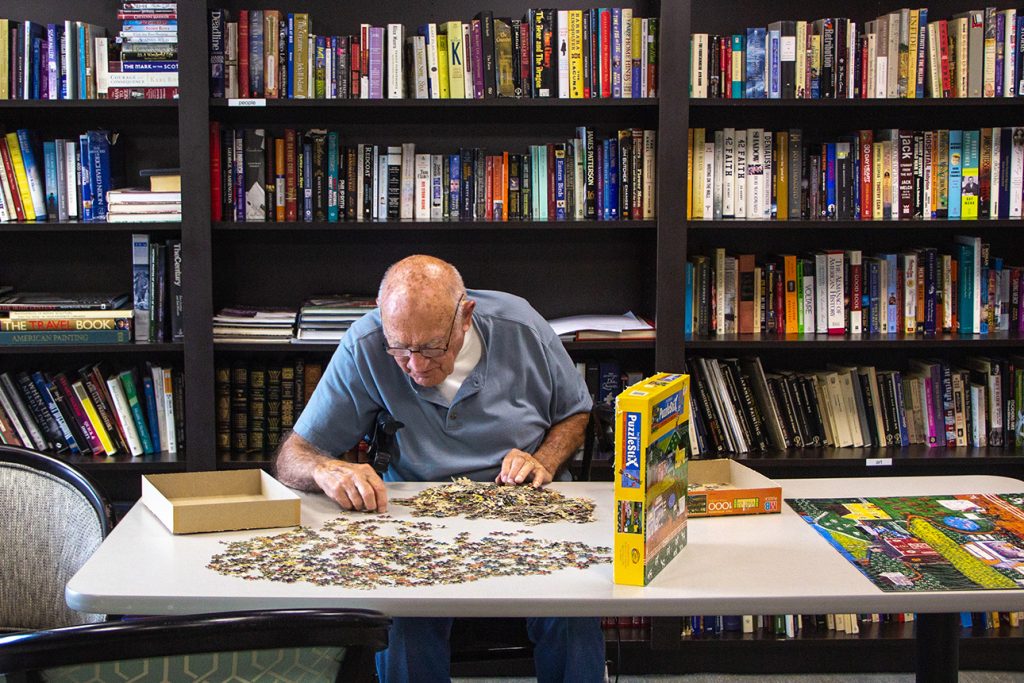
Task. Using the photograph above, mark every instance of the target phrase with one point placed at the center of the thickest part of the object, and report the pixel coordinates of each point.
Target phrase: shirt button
(454, 416)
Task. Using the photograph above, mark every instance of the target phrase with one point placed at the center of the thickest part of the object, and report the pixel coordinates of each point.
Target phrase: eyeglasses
(426, 351)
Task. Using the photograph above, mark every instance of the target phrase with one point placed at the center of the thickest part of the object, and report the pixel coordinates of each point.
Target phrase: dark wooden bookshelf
(914, 460)
(245, 464)
(329, 347)
(143, 464)
(754, 342)
(119, 349)
(87, 226)
(72, 106)
(878, 648)
(827, 225)
(859, 104)
(527, 103)
(347, 226)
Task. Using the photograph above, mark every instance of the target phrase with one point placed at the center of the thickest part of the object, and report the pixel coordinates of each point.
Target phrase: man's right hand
(352, 486)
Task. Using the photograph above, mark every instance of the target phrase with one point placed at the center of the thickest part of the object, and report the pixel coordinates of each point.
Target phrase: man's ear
(467, 313)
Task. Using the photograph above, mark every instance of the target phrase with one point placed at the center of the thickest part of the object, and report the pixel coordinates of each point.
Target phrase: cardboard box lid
(194, 502)
(726, 470)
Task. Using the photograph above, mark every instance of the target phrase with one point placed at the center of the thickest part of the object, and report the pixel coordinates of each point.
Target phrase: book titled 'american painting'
(651, 447)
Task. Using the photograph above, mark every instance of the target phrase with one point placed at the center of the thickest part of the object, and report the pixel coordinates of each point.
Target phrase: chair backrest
(274, 645)
(52, 518)
(599, 437)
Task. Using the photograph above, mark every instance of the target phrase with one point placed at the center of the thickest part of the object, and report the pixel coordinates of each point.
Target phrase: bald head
(423, 307)
(422, 286)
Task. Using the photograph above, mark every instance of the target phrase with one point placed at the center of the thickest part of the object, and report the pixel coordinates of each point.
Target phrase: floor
(965, 677)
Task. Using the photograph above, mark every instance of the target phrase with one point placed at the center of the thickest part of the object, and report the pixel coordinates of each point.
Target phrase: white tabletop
(758, 564)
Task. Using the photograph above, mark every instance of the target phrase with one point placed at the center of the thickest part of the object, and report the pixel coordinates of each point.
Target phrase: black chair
(275, 645)
(480, 640)
(52, 518)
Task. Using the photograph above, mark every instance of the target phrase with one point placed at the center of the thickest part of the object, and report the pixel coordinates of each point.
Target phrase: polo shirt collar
(474, 380)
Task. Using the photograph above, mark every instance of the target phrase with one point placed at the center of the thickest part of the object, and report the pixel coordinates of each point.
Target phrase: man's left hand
(519, 467)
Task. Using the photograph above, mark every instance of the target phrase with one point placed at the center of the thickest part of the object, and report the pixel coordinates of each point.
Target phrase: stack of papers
(626, 327)
(242, 325)
(324, 319)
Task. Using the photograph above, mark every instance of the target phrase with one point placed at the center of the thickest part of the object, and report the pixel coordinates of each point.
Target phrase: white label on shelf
(879, 462)
(247, 102)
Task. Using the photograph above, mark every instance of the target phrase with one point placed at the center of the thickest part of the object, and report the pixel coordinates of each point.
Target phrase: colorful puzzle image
(630, 518)
(926, 543)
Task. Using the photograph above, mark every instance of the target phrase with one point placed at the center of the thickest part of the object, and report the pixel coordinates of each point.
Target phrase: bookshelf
(820, 118)
(563, 268)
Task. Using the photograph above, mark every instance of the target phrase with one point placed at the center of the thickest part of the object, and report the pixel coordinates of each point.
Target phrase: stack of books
(240, 325)
(626, 327)
(148, 66)
(327, 318)
(30, 318)
(138, 205)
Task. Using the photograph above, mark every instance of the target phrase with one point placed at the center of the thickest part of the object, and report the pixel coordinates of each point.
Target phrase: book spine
(15, 405)
(135, 406)
(125, 418)
(81, 415)
(42, 387)
(152, 417)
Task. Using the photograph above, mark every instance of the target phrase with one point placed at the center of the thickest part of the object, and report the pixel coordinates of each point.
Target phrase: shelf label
(879, 462)
(247, 102)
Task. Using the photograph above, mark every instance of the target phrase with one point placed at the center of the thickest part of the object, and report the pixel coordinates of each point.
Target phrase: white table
(759, 564)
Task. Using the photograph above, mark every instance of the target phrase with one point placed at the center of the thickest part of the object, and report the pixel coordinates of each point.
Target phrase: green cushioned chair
(266, 646)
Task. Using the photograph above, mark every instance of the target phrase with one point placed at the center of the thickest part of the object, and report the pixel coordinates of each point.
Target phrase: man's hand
(519, 466)
(353, 487)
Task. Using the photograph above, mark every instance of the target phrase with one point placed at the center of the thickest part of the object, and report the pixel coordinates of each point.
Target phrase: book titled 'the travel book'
(651, 448)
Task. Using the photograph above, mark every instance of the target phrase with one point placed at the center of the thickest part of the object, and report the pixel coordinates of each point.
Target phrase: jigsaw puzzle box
(651, 449)
(725, 487)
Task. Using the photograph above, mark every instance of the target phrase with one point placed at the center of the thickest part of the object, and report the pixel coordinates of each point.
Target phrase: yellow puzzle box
(651, 447)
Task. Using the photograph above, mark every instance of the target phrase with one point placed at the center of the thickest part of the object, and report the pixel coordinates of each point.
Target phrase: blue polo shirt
(524, 383)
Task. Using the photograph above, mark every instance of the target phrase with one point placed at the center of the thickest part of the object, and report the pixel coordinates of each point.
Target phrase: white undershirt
(469, 356)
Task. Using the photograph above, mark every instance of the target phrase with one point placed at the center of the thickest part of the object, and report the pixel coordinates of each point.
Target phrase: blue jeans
(565, 649)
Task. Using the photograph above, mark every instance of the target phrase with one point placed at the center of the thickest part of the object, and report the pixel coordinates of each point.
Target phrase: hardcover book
(651, 446)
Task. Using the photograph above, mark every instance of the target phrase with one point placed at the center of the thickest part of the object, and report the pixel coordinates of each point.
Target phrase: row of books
(578, 54)
(738, 407)
(917, 291)
(77, 60)
(792, 625)
(94, 411)
(36, 318)
(626, 628)
(979, 53)
(889, 174)
(60, 180)
(157, 289)
(258, 403)
(313, 176)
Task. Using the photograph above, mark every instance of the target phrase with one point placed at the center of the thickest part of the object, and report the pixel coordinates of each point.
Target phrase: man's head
(425, 316)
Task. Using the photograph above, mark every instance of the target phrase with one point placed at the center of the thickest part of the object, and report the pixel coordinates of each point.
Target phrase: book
(651, 449)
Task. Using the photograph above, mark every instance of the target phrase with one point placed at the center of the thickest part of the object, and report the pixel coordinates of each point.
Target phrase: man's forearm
(296, 463)
(562, 440)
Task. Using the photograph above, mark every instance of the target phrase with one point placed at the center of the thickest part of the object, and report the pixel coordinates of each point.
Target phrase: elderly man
(485, 390)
